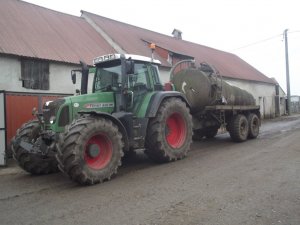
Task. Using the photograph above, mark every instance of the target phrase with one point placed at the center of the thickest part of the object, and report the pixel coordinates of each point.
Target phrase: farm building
(295, 104)
(39, 47)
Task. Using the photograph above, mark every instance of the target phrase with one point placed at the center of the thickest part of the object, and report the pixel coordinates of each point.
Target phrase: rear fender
(157, 99)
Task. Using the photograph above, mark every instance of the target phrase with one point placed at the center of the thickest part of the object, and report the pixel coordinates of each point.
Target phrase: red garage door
(19, 109)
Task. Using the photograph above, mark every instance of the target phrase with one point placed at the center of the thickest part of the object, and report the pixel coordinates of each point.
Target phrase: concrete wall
(2, 131)
(59, 77)
(263, 93)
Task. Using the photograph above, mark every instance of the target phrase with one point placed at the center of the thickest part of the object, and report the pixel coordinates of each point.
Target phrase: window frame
(35, 74)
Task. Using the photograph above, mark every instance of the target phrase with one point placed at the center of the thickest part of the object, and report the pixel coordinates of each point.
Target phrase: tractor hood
(103, 101)
(61, 112)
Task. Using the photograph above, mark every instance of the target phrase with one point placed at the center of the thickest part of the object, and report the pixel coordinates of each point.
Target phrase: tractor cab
(129, 77)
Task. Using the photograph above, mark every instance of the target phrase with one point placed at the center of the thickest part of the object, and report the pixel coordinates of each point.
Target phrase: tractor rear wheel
(253, 123)
(34, 163)
(90, 151)
(169, 134)
(238, 128)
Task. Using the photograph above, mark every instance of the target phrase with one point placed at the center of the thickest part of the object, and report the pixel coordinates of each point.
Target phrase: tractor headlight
(52, 119)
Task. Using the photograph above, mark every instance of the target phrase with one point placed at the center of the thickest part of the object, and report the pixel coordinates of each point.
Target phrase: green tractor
(86, 135)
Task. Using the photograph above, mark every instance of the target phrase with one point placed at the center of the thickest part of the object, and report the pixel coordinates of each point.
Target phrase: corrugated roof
(33, 31)
(130, 38)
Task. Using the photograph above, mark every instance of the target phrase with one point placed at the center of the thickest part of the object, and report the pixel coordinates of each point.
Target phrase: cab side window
(140, 78)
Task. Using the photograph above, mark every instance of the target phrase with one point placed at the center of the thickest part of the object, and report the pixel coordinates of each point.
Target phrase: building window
(35, 74)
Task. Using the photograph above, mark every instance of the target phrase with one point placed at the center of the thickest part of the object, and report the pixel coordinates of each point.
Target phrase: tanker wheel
(198, 135)
(253, 122)
(90, 150)
(33, 163)
(169, 134)
(238, 128)
(211, 132)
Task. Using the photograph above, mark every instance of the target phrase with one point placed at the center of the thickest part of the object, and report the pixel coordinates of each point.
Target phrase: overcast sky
(228, 25)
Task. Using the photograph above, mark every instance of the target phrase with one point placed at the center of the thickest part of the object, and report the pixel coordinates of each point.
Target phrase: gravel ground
(220, 182)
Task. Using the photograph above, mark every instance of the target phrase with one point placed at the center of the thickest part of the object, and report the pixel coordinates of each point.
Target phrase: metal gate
(2, 130)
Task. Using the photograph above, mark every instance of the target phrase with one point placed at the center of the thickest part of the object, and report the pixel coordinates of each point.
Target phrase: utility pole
(287, 73)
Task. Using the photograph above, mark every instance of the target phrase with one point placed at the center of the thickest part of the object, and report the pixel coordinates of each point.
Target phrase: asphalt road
(220, 182)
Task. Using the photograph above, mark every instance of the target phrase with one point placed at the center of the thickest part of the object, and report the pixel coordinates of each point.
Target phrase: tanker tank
(205, 87)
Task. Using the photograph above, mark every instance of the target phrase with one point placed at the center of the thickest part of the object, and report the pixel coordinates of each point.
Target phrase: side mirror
(73, 76)
(129, 67)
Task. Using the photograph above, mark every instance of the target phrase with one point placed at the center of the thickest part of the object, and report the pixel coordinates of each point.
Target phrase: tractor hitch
(42, 145)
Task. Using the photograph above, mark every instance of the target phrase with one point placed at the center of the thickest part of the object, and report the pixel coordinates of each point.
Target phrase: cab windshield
(106, 77)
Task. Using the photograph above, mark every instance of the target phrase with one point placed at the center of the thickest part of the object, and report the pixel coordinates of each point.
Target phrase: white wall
(282, 102)
(10, 72)
(164, 75)
(263, 93)
(59, 77)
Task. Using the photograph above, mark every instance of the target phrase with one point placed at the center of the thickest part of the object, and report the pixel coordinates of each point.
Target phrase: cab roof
(110, 57)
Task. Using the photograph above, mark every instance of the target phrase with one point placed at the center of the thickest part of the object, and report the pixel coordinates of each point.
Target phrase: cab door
(139, 86)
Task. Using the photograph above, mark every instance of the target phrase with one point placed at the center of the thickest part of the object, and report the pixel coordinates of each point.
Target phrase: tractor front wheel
(169, 134)
(91, 150)
(34, 163)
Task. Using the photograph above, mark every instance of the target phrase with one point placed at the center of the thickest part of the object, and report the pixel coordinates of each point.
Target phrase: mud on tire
(90, 150)
(33, 163)
(238, 128)
(169, 134)
(253, 123)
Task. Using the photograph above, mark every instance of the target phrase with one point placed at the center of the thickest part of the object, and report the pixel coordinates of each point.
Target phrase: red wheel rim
(98, 151)
(175, 130)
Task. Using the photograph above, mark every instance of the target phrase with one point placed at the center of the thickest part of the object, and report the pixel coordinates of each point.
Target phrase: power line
(264, 40)
(295, 31)
(258, 42)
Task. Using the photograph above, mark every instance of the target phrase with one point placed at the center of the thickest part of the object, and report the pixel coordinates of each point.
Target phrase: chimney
(177, 34)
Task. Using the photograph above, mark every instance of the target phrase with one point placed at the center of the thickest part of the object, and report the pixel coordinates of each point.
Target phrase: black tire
(211, 132)
(33, 163)
(253, 122)
(238, 128)
(198, 135)
(169, 134)
(90, 150)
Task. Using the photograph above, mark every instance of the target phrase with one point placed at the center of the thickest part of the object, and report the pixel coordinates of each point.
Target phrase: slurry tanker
(214, 103)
